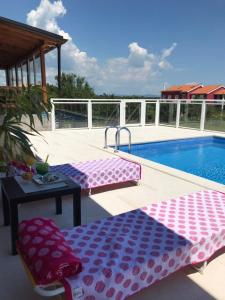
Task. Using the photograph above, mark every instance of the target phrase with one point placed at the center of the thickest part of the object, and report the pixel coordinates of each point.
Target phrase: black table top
(14, 192)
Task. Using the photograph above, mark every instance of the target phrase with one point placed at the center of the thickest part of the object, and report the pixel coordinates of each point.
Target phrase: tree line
(75, 86)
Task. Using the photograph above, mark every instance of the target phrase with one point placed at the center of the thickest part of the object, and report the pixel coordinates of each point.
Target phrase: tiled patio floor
(77, 145)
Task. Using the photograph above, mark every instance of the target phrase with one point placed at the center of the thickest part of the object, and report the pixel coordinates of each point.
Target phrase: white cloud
(167, 52)
(163, 63)
(45, 16)
(135, 73)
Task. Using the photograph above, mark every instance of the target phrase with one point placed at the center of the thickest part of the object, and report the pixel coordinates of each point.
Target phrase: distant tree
(52, 91)
(75, 86)
(72, 86)
(112, 96)
(106, 96)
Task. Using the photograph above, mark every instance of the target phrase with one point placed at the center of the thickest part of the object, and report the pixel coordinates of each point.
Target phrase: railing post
(178, 114)
(89, 114)
(157, 112)
(122, 112)
(143, 112)
(203, 113)
(53, 115)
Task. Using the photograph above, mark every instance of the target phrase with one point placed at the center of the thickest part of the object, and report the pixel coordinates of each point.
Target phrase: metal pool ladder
(117, 138)
(106, 132)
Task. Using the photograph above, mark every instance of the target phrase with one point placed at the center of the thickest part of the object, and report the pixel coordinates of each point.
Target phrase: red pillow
(46, 252)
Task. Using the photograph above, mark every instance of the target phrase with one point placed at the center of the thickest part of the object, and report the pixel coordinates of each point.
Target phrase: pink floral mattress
(95, 173)
(121, 255)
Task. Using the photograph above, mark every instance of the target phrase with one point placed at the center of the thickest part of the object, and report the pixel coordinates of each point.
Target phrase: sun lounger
(121, 255)
(96, 173)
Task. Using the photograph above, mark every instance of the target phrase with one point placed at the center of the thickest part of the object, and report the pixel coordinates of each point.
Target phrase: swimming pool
(204, 156)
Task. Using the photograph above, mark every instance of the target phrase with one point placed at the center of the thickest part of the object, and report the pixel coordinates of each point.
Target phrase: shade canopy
(19, 41)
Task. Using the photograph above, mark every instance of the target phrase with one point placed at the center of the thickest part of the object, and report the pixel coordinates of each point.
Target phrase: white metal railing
(91, 113)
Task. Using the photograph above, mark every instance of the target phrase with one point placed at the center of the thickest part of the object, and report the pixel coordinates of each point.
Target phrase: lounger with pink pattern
(101, 172)
(124, 254)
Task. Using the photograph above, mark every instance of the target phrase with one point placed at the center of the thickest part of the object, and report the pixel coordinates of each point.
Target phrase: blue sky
(133, 47)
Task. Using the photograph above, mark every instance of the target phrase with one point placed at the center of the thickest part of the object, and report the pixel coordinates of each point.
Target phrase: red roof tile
(182, 88)
(206, 89)
(220, 91)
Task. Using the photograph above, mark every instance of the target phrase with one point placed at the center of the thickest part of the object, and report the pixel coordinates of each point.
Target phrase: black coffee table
(12, 195)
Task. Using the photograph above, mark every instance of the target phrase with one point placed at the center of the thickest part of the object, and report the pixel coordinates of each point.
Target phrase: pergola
(22, 53)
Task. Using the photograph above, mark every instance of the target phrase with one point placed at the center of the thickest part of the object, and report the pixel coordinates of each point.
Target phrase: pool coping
(172, 140)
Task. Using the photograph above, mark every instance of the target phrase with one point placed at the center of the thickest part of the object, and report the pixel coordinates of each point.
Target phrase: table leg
(58, 205)
(5, 205)
(77, 208)
(14, 225)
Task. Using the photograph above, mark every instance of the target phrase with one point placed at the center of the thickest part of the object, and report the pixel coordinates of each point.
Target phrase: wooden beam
(43, 75)
(21, 69)
(12, 52)
(17, 79)
(7, 77)
(59, 67)
(25, 56)
(15, 32)
(10, 58)
(12, 38)
(43, 70)
(34, 68)
(5, 54)
(30, 34)
(15, 45)
(28, 72)
(18, 42)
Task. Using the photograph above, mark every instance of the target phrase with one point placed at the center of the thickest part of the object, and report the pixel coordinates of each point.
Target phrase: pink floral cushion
(46, 252)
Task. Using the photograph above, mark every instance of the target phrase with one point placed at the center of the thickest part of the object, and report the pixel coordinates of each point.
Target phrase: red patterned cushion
(46, 252)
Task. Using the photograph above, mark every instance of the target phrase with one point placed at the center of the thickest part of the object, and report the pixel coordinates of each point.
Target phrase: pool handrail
(117, 138)
(106, 131)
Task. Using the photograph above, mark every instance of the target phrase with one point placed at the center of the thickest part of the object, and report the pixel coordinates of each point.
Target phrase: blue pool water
(203, 157)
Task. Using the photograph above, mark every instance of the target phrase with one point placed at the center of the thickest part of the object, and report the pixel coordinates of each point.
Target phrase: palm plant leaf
(14, 141)
(14, 132)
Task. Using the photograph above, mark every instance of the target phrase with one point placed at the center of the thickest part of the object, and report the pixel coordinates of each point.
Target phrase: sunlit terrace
(158, 183)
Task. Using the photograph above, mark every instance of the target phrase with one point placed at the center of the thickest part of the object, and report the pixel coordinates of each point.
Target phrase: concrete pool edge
(170, 140)
(194, 179)
(197, 180)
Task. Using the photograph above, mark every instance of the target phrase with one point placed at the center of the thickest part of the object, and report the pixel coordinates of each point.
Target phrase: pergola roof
(18, 41)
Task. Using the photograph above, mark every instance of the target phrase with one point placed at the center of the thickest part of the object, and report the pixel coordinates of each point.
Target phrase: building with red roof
(194, 91)
(206, 92)
(220, 94)
(180, 91)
